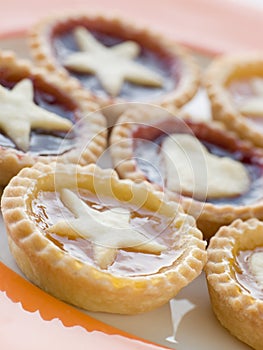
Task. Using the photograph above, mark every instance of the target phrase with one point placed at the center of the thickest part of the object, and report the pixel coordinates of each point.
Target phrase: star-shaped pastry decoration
(19, 113)
(112, 65)
(253, 106)
(108, 230)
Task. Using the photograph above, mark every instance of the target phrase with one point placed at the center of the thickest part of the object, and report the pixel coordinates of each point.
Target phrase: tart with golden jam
(234, 276)
(115, 60)
(216, 176)
(43, 118)
(97, 242)
(235, 87)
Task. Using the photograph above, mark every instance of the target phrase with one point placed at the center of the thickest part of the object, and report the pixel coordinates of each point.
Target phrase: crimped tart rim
(122, 155)
(220, 280)
(39, 43)
(25, 234)
(217, 76)
(87, 107)
(221, 249)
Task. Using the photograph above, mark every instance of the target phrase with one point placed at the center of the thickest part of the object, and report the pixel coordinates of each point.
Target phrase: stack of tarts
(214, 170)
(74, 229)
(127, 240)
(235, 264)
(217, 178)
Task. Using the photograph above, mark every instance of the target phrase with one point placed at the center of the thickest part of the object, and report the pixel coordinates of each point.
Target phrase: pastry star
(184, 154)
(253, 106)
(112, 65)
(19, 113)
(108, 230)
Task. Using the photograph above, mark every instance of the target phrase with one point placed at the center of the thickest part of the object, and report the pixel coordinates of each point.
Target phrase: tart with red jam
(98, 242)
(234, 276)
(216, 176)
(44, 118)
(235, 87)
(115, 60)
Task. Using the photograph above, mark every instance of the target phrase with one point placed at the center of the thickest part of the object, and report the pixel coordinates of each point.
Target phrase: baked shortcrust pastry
(235, 87)
(115, 60)
(234, 277)
(98, 242)
(43, 118)
(214, 174)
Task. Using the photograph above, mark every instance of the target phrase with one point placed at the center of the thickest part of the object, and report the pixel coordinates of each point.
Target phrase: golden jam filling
(248, 269)
(48, 209)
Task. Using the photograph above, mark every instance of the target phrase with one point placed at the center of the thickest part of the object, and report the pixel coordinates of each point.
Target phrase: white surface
(188, 318)
(255, 3)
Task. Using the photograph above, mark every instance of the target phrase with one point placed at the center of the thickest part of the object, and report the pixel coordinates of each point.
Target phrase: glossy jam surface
(64, 43)
(43, 142)
(147, 143)
(48, 209)
(243, 275)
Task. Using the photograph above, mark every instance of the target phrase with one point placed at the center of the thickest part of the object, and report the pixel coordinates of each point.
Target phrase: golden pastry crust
(79, 282)
(236, 309)
(221, 72)
(209, 216)
(40, 44)
(85, 150)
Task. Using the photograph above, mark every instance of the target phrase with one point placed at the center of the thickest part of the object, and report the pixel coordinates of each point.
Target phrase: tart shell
(78, 282)
(236, 309)
(209, 216)
(88, 147)
(217, 76)
(41, 33)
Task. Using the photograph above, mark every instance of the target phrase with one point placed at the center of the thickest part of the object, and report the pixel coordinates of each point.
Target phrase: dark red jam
(44, 142)
(64, 44)
(147, 143)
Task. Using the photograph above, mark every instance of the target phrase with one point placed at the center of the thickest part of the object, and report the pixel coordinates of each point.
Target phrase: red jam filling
(44, 142)
(147, 143)
(157, 60)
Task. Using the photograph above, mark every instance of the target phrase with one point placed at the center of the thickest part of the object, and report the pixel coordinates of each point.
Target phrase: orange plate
(28, 313)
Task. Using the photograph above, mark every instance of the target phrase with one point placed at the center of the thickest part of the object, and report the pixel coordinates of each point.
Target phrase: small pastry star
(111, 65)
(108, 230)
(253, 106)
(19, 113)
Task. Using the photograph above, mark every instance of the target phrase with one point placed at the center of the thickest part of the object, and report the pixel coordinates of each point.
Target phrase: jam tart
(234, 278)
(98, 242)
(214, 174)
(44, 118)
(115, 60)
(235, 87)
